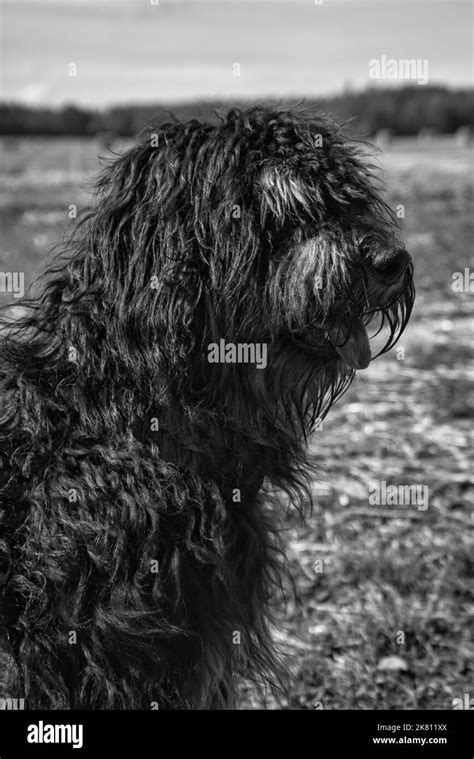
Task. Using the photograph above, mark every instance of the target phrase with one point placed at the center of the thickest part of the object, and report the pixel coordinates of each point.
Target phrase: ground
(382, 608)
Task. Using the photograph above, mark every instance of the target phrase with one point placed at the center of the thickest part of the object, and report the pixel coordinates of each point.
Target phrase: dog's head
(331, 252)
(266, 228)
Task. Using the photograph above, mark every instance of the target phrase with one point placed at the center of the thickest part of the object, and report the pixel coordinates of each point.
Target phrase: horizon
(198, 100)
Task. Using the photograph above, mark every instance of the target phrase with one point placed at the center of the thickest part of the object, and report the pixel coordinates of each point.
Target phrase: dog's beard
(348, 330)
(392, 318)
(352, 338)
(336, 350)
(329, 298)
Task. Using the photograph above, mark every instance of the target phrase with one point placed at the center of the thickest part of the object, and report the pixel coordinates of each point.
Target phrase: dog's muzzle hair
(139, 557)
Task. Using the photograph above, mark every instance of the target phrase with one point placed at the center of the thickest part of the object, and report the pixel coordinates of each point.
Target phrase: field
(381, 612)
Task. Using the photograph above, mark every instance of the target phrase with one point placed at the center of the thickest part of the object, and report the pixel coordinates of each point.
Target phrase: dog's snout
(390, 265)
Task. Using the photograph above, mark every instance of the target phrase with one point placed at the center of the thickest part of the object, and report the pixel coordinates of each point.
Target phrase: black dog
(211, 307)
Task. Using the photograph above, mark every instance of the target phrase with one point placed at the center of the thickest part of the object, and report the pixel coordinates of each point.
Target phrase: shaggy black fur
(137, 553)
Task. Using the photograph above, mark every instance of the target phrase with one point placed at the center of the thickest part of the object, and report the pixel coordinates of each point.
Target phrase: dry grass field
(380, 616)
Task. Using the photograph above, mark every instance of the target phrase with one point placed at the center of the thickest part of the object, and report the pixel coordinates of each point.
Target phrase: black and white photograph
(236, 366)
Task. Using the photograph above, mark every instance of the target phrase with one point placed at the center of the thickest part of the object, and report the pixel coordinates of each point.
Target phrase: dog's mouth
(349, 340)
(351, 343)
(348, 335)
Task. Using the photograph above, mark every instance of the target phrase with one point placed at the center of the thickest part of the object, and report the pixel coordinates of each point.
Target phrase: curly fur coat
(138, 548)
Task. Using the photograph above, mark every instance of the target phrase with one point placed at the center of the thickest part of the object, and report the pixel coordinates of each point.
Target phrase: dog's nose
(391, 264)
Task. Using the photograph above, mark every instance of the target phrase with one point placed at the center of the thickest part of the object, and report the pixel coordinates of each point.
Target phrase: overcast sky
(132, 50)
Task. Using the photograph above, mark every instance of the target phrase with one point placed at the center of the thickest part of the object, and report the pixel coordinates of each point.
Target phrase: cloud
(33, 93)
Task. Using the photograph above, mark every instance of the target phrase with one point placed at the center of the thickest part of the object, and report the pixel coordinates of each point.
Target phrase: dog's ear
(290, 159)
(283, 191)
(141, 253)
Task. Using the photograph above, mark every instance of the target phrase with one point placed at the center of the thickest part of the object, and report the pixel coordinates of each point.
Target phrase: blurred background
(382, 610)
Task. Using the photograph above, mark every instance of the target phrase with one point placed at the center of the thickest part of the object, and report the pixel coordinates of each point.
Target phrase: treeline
(405, 111)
